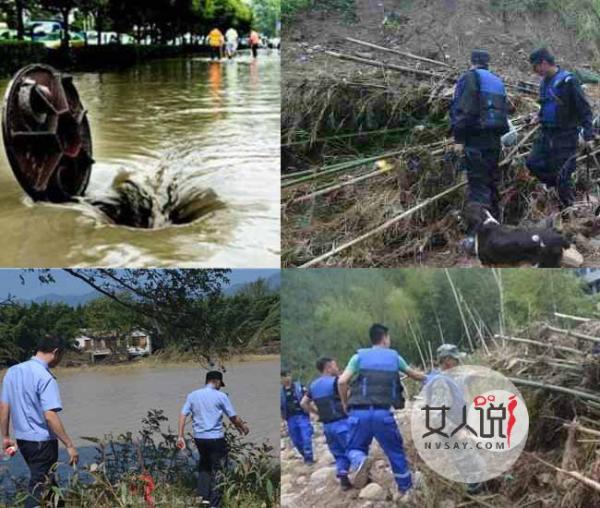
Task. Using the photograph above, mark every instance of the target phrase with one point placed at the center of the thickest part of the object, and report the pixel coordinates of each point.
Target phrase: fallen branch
(545, 345)
(383, 226)
(555, 388)
(398, 52)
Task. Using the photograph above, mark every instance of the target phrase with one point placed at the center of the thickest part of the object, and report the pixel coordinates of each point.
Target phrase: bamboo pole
(585, 430)
(336, 168)
(398, 52)
(542, 344)
(337, 186)
(382, 227)
(593, 484)
(460, 311)
(555, 388)
(570, 333)
(574, 318)
(394, 67)
(509, 157)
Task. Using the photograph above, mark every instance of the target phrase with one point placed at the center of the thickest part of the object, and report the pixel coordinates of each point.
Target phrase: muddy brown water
(114, 400)
(203, 125)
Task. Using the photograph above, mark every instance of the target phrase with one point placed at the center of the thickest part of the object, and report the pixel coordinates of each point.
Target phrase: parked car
(53, 40)
(43, 27)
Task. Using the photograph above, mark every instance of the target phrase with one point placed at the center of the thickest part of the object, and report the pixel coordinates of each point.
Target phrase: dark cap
(480, 57)
(540, 55)
(214, 375)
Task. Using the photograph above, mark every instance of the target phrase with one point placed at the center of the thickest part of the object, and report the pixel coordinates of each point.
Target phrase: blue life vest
(378, 380)
(283, 399)
(554, 110)
(493, 104)
(325, 396)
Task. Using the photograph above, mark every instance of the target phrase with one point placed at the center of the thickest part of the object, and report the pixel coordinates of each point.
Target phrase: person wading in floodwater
(254, 43)
(207, 407)
(31, 399)
(216, 41)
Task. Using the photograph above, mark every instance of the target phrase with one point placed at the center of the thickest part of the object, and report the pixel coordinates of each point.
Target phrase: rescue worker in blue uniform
(563, 109)
(443, 388)
(297, 419)
(372, 377)
(479, 118)
(322, 399)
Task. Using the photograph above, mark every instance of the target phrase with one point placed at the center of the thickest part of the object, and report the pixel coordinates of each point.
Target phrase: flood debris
(369, 177)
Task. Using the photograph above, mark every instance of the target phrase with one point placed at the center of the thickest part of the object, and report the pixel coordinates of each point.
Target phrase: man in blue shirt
(207, 407)
(369, 387)
(31, 399)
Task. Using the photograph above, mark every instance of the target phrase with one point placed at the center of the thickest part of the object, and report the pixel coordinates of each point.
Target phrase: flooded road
(207, 132)
(114, 400)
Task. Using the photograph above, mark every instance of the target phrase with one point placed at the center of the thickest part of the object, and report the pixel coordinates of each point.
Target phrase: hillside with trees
(186, 312)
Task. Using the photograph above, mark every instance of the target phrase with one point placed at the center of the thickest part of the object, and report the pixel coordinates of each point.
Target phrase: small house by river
(100, 345)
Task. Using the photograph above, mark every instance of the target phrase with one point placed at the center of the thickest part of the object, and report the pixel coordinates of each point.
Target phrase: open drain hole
(132, 205)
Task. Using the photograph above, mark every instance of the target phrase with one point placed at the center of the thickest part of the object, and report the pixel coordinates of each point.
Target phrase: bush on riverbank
(16, 54)
(131, 470)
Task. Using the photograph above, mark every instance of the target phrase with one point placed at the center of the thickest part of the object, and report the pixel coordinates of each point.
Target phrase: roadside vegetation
(147, 469)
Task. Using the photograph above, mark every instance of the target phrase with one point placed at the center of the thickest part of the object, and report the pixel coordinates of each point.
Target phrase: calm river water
(199, 124)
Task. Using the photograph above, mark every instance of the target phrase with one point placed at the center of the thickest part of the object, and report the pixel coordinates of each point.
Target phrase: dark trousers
(255, 50)
(215, 52)
(213, 459)
(482, 154)
(553, 161)
(40, 456)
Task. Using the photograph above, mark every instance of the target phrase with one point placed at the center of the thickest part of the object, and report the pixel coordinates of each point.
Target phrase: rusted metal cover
(46, 134)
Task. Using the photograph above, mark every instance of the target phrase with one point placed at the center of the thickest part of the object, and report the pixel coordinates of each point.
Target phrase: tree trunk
(66, 28)
(20, 24)
(99, 27)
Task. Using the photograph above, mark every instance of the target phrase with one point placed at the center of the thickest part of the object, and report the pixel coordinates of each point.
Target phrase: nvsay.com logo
(469, 423)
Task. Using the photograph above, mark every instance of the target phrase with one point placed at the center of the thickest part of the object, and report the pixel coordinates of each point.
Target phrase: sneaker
(360, 476)
(406, 498)
(345, 483)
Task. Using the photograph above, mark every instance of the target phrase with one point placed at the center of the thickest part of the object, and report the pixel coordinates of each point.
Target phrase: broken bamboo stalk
(383, 226)
(541, 344)
(574, 318)
(394, 67)
(337, 186)
(556, 388)
(398, 52)
(570, 333)
(342, 166)
(585, 430)
(593, 484)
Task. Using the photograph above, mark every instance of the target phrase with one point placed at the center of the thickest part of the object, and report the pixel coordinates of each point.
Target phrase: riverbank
(148, 470)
